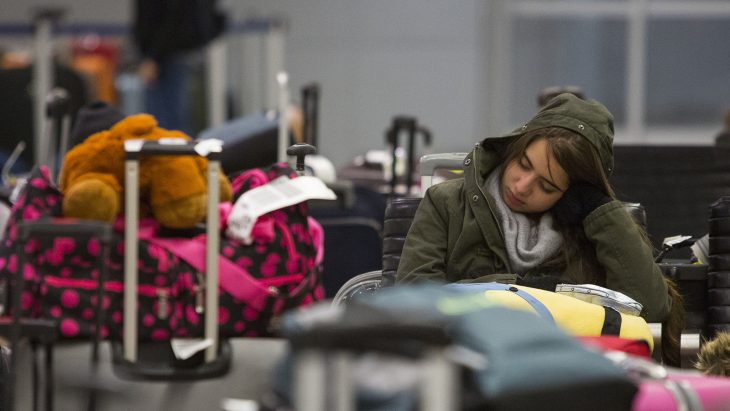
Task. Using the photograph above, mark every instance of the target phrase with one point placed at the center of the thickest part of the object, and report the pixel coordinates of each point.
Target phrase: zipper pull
(163, 304)
(200, 294)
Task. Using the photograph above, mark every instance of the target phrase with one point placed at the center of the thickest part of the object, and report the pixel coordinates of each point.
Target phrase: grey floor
(249, 378)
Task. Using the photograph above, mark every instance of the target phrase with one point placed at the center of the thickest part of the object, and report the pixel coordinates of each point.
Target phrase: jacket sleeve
(424, 252)
(627, 259)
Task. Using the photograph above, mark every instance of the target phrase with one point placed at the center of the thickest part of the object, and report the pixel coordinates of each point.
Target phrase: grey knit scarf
(529, 242)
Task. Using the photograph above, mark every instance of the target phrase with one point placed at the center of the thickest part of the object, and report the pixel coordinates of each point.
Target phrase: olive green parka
(455, 235)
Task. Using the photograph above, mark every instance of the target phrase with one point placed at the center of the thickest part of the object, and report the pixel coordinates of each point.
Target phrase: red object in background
(97, 45)
(97, 58)
(615, 343)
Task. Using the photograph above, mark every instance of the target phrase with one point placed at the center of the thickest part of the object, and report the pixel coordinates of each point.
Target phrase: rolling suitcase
(391, 172)
(45, 331)
(158, 360)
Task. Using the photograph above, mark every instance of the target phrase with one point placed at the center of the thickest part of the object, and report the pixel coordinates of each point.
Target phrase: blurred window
(661, 66)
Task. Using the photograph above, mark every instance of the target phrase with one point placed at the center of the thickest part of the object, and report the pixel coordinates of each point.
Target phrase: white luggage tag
(279, 193)
(184, 348)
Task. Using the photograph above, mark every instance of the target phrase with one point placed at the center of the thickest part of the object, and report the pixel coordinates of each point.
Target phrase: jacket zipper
(281, 280)
(489, 206)
(161, 293)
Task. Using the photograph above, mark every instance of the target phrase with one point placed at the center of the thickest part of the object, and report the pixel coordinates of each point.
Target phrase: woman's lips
(512, 199)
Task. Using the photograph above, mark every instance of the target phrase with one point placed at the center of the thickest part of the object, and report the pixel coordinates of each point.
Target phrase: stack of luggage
(718, 293)
(144, 285)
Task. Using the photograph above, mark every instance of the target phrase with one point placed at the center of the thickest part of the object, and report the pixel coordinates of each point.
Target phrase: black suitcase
(248, 142)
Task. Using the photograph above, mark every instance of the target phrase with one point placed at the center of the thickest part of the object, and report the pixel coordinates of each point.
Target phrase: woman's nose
(523, 185)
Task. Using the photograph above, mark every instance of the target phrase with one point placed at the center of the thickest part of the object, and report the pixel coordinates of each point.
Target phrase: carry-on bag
(157, 360)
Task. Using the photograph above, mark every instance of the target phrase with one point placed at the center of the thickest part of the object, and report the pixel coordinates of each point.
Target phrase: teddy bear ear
(136, 124)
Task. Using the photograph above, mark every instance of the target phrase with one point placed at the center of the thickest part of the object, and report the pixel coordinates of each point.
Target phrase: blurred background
(466, 68)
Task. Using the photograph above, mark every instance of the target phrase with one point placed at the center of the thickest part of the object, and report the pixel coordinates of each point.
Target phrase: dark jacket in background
(165, 27)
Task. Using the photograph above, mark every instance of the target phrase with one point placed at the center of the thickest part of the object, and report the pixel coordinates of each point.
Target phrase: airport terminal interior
(341, 205)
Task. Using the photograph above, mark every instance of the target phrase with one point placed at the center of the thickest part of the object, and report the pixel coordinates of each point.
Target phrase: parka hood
(588, 118)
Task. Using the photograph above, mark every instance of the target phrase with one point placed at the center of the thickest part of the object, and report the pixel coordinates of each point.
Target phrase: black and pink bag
(257, 282)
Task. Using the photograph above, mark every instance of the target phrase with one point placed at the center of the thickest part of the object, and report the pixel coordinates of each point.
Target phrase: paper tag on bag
(279, 193)
(184, 348)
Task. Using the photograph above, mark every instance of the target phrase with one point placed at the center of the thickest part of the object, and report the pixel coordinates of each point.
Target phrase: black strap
(611, 322)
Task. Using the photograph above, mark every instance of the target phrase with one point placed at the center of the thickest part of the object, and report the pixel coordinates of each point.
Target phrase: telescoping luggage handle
(411, 126)
(135, 149)
(310, 108)
(58, 116)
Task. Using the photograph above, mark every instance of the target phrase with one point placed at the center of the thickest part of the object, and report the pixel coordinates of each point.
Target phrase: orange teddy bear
(172, 188)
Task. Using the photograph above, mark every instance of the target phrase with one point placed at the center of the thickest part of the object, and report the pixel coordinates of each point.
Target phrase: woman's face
(534, 181)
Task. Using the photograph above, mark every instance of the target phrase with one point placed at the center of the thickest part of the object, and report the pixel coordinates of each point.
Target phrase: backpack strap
(611, 322)
(232, 278)
(536, 304)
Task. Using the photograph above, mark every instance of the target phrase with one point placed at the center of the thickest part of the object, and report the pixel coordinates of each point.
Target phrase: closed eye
(546, 185)
(547, 189)
(525, 163)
